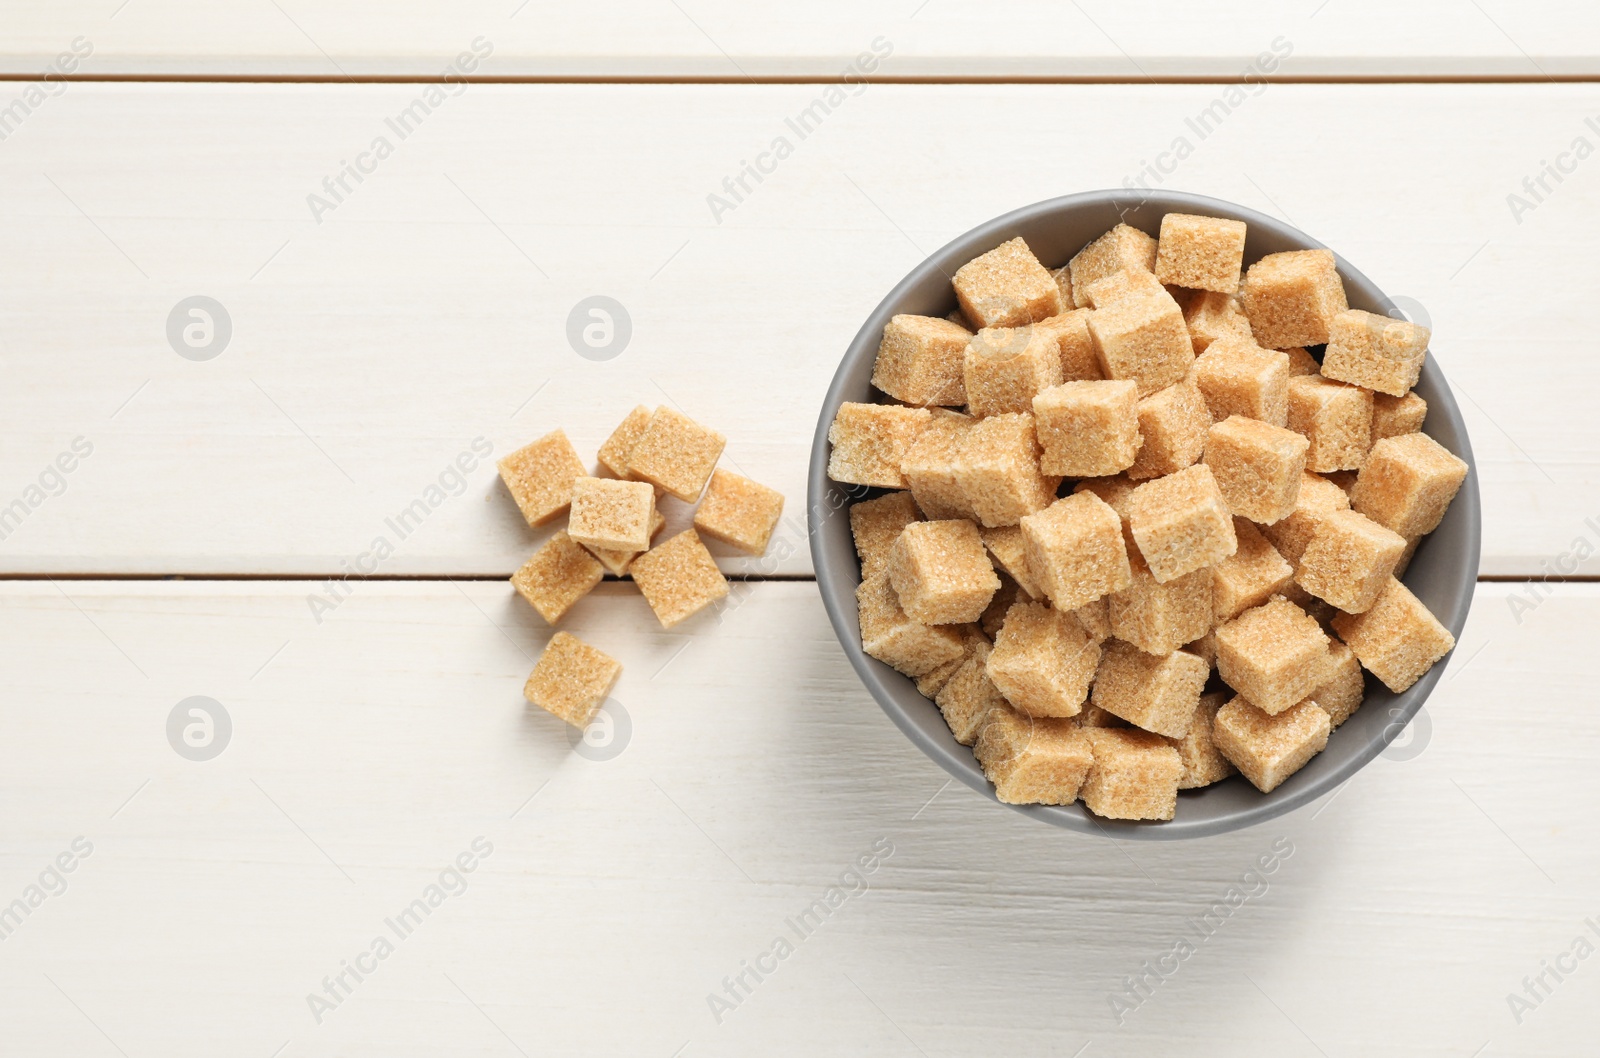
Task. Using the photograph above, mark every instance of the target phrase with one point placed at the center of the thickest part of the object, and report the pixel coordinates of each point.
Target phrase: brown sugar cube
(870, 442)
(1202, 763)
(613, 454)
(1374, 351)
(678, 578)
(1181, 523)
(1407, 483)
(1007, 287)
(997, 470)
(1341, 693)
(739, 512)
(967, 699)
(1003, 368)
(1155, 693)
(1113, 490)
(919, 360)
(1250, 576)
(994, 616)
(558, 575)
(617, 562)
(540, 476)
(1238, 377)
(1010, 553)
(941, 572)
(1070, 332)
(1406, 556)
(890, 635)
(1398, 639)
(1201, 253)
(1394, 416)
(610, 514)
(1344, 479)
(1075, 550)
(1032, 760)
(930, 683)
(1119, 286)
(875, 525)
(1301, 362)
(1043, 660)
(1094, 716)
(1119, 249)
(1335, 418)
(1087, 429)
(1159, 618)
(1291, 534)
(929, 466)
(1211, 317)
(1268, 748)
(1292, 297)
(678, 454)
(1143, 339)
(1204, 648)
(1096, 619)
(1172, 430)
(1063, 278)
(1275, 655)
(1349, 560)
(1135, 775)
(1257, 467)
(570, 680)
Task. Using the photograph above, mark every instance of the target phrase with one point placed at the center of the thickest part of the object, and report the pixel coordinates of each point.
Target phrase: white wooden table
(374, 335)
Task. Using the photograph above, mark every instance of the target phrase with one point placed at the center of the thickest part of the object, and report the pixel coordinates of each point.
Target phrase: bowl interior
(1442, 574)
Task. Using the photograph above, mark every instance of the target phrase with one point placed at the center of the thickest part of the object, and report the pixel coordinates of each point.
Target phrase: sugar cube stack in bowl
(1127, 508)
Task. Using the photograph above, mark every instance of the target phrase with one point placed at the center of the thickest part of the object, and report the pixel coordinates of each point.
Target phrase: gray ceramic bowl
(1442, 574)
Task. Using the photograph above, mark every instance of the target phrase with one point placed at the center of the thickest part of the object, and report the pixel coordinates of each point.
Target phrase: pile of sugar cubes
(610, 524)
(1204, 597)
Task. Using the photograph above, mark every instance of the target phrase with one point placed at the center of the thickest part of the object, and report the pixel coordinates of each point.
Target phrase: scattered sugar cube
(1158, 618)
(875, 524)
(1301, 362)
(1087, 429)
(1119, 286)
(1009, 552)
(1096, 618)
(1238, 377)
(941, 572)
(558, 575)
(1258, 467)
(1075, 550)
(678, 578)
(1157, 693)
(1181, 523)
(1007, 287)
(1336, 418)
(1119, 249)
(1349, 560)
(1394, 416)
(617, 562)
(1398, 639)
(1407, 483)
(870, 442)
(739, 512)
(1003, 368)
(890, 635)
(540, 476)
(1032, 760)
(1375, 351)
(1210, 317)
(995, 615)
(929, 465)
(571, 679)
(1316, 497)
(677, 453)
(1202, 253)
(1203, 764)
(930, 683)
(1070, 332)
(1268, 748)
(1135, 775)
(1172, 430)
(1341, 693)
(1205, 648)
(1292, 297)
(1275, 655)
(613, 455)
(997, 470)
(967, 699)
(919, 360)
(1250, 576)
(1043, 660)
(1143, 339)
(610, 514)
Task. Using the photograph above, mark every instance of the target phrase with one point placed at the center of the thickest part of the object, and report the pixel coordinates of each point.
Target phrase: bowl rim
(837, 585)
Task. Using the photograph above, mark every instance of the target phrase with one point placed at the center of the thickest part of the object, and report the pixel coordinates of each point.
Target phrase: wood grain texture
(429, 307)
(371, 750)
(718, 38)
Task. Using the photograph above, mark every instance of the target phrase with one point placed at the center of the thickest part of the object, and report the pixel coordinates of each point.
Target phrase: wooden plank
(429, 306)
(368, 752)
(716, 38)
